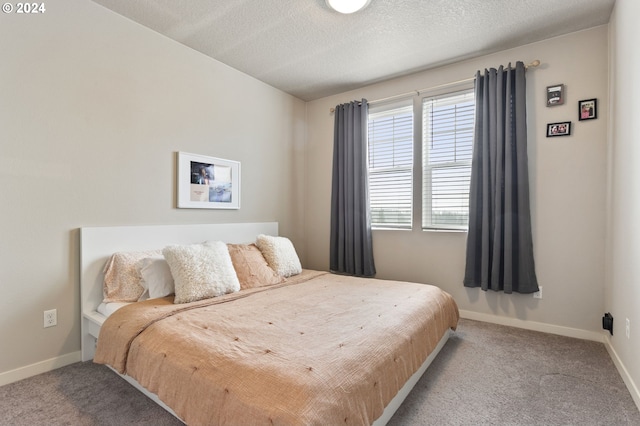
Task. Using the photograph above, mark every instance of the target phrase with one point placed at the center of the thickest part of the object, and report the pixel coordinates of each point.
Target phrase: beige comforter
(320, 349)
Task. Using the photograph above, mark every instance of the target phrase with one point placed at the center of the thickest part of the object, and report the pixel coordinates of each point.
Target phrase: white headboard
(97, 244)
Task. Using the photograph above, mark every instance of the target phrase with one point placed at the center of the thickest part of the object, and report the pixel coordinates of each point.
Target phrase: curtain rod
(533, 64)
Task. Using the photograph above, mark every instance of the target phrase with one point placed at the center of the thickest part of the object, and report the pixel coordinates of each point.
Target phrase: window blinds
(447, 142)
(390, 136)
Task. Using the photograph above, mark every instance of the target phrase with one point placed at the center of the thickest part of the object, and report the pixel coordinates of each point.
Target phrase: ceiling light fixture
(347, 6)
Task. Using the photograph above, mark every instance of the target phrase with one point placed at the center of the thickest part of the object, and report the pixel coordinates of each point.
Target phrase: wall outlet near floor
(538, 294)
(628, 329)
(50, 318)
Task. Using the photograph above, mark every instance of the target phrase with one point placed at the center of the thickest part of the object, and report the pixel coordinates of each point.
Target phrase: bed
(316, 348)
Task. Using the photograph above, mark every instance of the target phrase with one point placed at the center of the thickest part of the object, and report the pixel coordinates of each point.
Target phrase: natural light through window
(391, 167)
(447, 142)
(439, 130)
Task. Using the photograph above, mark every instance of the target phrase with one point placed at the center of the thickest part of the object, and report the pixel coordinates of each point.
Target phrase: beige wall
(568, 177)
(93, 108)
(623, 243)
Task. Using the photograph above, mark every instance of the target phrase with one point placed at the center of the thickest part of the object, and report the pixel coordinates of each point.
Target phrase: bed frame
(97, 244)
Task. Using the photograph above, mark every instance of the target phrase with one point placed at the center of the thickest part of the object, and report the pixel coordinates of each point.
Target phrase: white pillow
(201, 271)
(280, 254)
(155, 278)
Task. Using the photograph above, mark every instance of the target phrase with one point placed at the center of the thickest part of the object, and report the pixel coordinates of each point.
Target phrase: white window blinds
(390, 137)
(447, 142)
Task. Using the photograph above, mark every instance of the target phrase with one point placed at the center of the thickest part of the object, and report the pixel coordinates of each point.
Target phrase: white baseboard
(535, 326)
(563, 331)
(39, 368)
(626, 377)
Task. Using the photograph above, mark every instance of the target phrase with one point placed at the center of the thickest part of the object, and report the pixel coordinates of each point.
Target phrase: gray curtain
(499, 242)
(351, 249)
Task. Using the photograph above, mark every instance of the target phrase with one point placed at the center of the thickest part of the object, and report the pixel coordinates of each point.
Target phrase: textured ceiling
(305, 49)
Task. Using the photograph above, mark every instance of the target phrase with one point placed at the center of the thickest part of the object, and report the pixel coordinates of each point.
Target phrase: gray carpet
(486, 374)
(489, 374)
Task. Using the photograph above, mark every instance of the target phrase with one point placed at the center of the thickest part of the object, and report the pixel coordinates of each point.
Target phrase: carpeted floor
(489, 374)
(486, 374)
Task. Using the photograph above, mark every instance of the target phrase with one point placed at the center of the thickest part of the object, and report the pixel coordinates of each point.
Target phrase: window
(390, 134)
(445, 140)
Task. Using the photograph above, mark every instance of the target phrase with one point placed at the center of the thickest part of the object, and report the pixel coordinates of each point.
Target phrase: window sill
(390, 229)
(438, 230)
(455, 231)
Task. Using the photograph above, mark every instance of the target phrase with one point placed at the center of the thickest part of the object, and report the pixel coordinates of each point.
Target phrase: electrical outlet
(50, 318)
(628, 329)
(538, 294)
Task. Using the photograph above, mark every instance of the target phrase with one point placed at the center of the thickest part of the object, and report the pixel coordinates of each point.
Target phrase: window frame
(417, 199)
(428, 168)
(386, 109)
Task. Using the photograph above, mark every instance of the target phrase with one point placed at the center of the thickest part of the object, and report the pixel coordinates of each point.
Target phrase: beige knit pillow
(201, 271)
(280, 254)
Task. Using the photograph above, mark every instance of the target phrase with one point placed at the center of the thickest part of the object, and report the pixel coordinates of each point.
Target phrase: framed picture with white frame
(207, 182)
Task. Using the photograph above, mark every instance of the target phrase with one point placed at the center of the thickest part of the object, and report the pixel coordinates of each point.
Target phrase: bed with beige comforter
(319, 349)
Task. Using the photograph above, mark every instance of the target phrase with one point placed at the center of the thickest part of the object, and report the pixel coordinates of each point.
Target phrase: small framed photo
(207, 182)
(559, 129)
(555, 95)
(588, 109)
